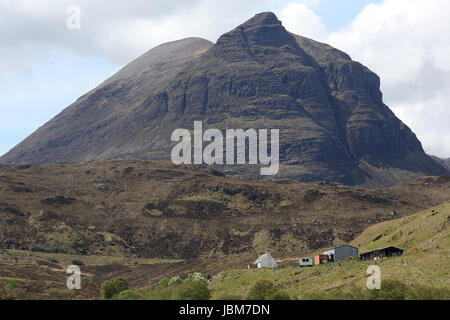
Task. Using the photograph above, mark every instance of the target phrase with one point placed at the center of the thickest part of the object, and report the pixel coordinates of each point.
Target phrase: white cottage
(265, 261)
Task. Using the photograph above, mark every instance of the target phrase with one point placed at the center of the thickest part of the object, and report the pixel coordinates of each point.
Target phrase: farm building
(321, 259)
(390, 251)
(264, 261)
(306, 262)
(341, 253)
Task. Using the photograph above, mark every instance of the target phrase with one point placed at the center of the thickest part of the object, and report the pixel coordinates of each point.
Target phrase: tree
(129, 295)
(278, 295)
(265, 290)
(196, 276)
(192, 290)
(260, 290)
(175, 281)
(113, 287)
(78, 262)
(163, 283)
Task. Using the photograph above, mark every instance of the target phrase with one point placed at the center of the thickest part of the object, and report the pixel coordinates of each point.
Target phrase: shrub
(265, 290)
(174, 281)
(278, 295)
(193, 290)
(113, 287)
(160, 294)
(13, 284)
(163, 283)
(196, 276)
(53, 260)
(260, 290)
(77, 241)
(129, 295)
(78, 262)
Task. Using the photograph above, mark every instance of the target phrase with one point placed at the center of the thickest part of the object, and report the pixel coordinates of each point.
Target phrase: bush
(192, 290)
(174, 281)
(196, 276)
(13, 284)
(129, 295)
(113, 287)
(160, 294)
(53, 260)
(78, 241)
(163, 283)
(265, 290)
(260, 290)
(50, 246)
(278, 295)
(77, 262)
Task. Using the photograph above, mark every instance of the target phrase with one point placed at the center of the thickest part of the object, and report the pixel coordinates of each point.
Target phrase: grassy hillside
(427, 229)
(429, 265)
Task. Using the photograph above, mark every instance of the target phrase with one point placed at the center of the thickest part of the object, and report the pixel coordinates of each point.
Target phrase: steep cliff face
(329, 109)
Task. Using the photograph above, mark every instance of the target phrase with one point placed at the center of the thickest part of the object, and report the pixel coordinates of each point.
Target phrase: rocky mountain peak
(260, 39)
(262, 19)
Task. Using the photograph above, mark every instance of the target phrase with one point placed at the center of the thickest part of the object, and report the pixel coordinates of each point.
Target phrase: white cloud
(120, 30)
(116, 30)
(407, 43)
(299, 18)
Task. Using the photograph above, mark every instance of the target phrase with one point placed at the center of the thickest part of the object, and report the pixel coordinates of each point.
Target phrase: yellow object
(413, 249)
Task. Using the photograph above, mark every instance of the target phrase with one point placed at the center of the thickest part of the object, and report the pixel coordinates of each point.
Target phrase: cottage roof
(263, 256)
(344, 245)
(381, 249)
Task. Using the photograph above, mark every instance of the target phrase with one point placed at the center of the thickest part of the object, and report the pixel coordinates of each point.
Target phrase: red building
(321, 259)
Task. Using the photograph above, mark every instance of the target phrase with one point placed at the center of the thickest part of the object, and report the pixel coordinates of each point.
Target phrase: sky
(46, 64)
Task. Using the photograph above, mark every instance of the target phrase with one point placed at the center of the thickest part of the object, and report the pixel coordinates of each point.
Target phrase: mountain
(329, 109)
(445, 162)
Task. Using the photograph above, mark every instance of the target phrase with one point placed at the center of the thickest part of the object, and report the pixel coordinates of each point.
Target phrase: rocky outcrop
(329, 109)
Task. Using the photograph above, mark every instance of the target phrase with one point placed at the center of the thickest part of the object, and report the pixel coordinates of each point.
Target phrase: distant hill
(329, 108)
(445, 162)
